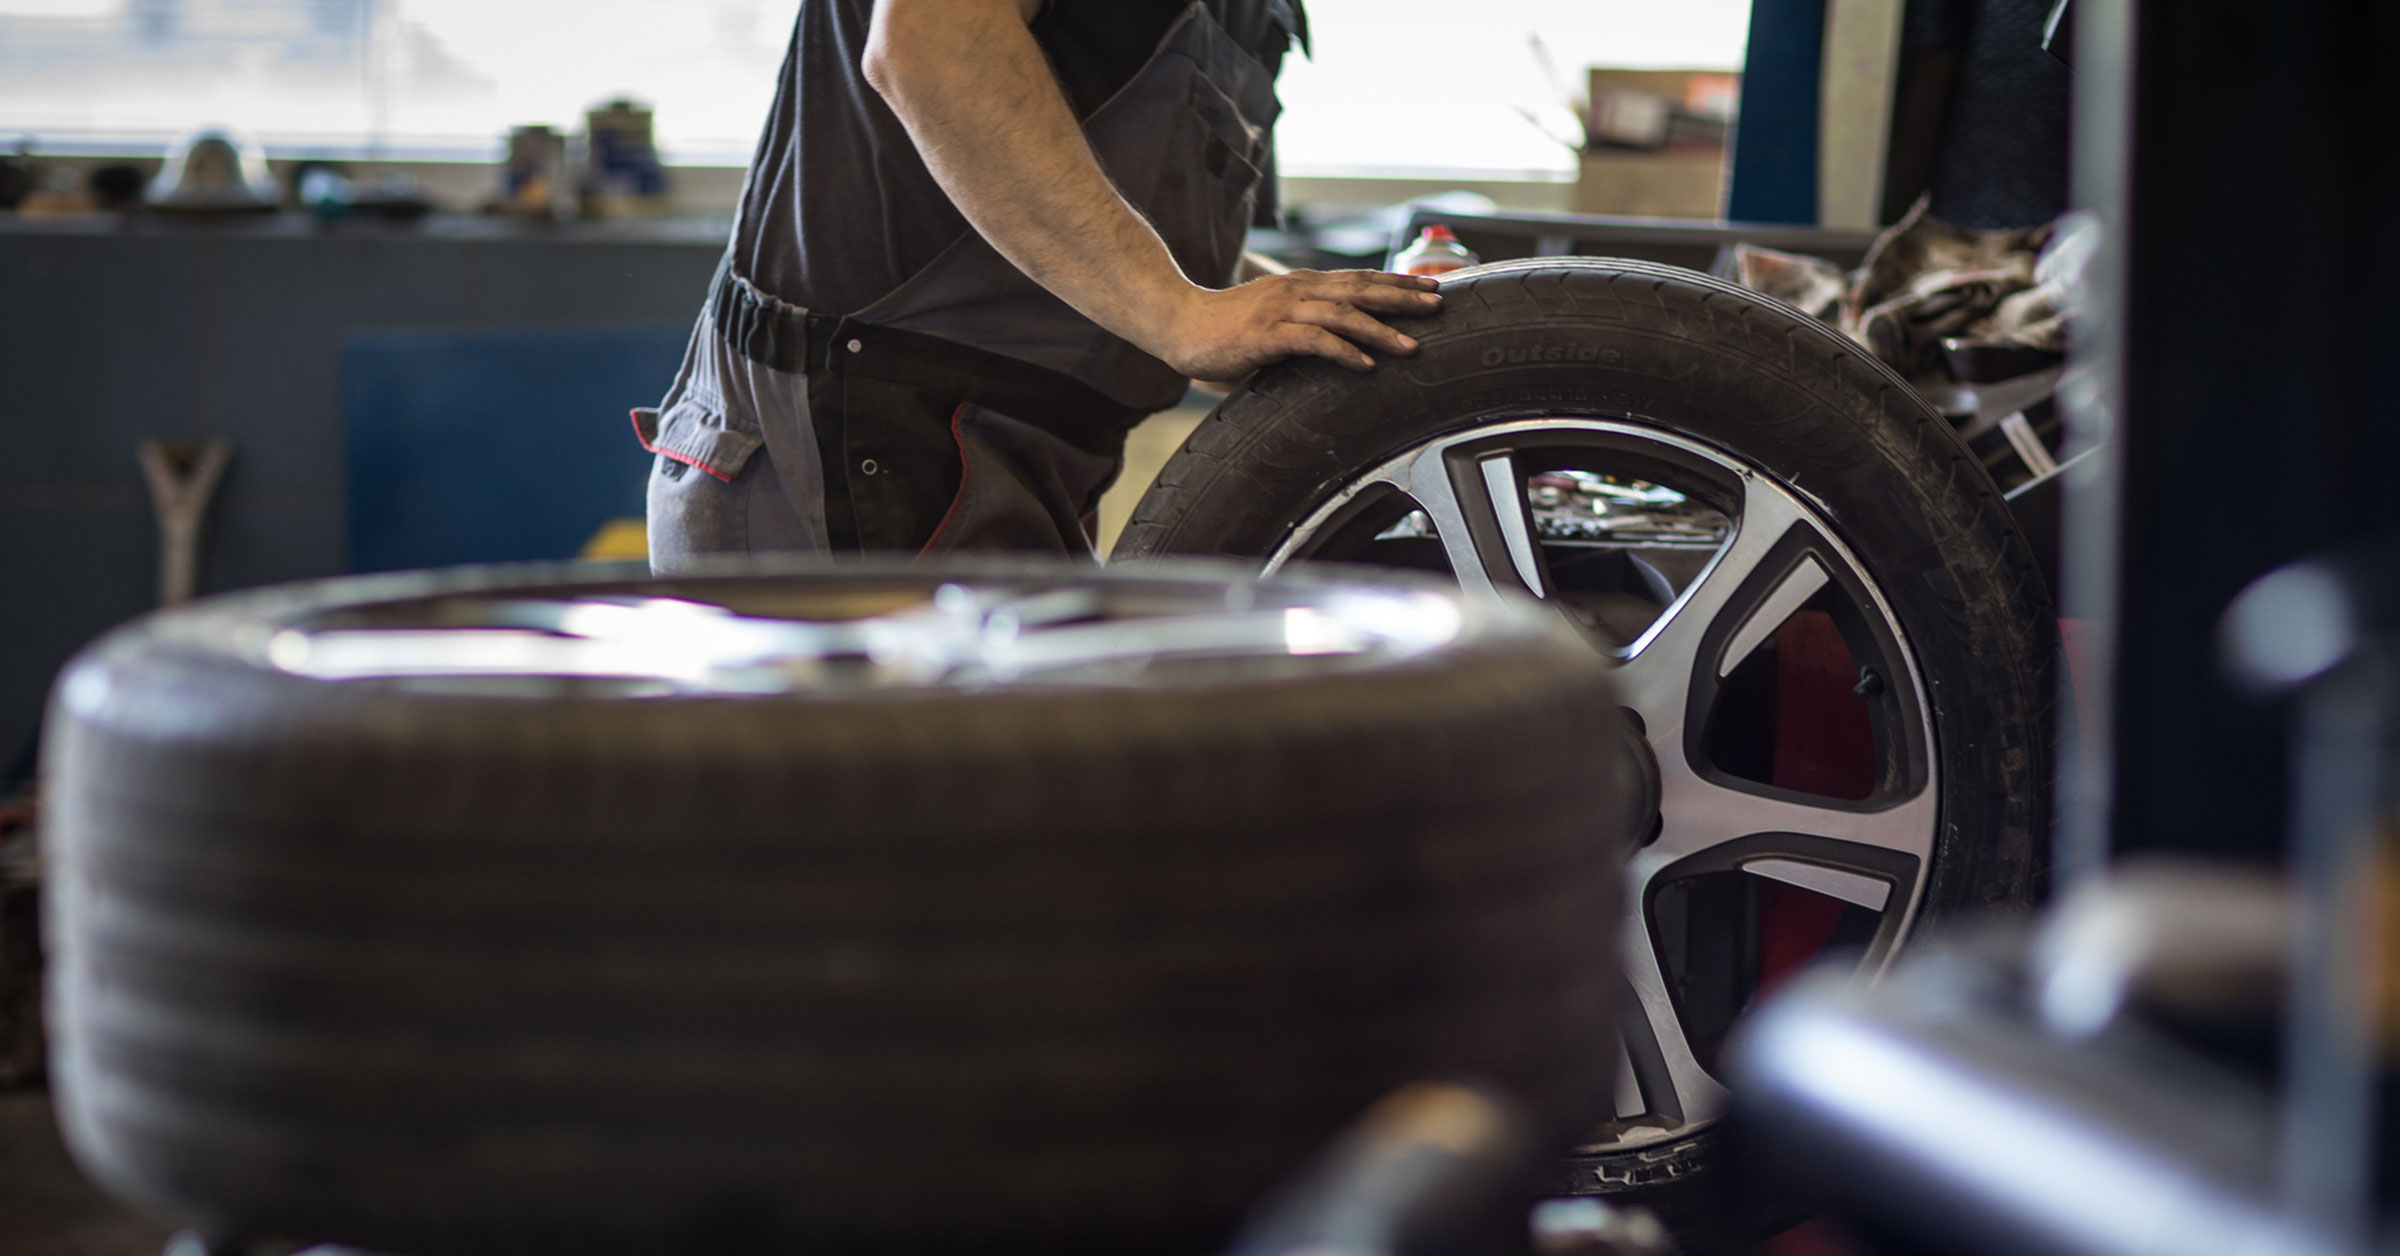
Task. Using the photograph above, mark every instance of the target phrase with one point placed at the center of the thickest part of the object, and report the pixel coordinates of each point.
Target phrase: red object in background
(1824, 745)
(1823, 742)
(1436, 252)
(1816, 1237)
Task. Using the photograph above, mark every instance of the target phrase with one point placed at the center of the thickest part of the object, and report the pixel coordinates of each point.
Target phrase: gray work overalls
(968, 408)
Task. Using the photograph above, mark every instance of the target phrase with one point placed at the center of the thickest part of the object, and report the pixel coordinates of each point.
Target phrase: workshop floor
(48, 1209)
(46, 1206)
(1146, 450)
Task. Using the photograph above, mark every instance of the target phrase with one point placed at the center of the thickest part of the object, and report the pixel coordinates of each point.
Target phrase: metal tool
(183, 478)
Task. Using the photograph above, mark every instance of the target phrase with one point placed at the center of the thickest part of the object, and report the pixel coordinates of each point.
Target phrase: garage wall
(113, 333)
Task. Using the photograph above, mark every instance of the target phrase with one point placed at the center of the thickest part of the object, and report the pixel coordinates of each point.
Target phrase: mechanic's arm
(979, 100)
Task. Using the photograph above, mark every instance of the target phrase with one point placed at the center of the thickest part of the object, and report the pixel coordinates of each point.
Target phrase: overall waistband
(786, 338)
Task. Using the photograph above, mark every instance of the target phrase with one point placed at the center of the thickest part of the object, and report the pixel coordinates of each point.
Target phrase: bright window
(1445, 84)
(429, 78)
(1396, 84)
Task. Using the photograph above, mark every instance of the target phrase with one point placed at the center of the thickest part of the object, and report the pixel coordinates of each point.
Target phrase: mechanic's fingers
(1379, 297)
(1357, 325)
(1305, 338)
(1389, 300)
(1381, 277)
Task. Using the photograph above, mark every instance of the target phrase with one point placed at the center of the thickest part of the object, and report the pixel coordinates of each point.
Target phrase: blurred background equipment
(1655, 143)
(1940, 1113)
(2220, 1077)
(321, 189)
(533, 178)
(18, 176)
(622, 176)
(214, 171)
(1977, 114)
(117, 186)
(1435, 252)
(2178, 1055)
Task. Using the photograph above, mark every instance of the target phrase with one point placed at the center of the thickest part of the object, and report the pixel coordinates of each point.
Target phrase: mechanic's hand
(1225, 335)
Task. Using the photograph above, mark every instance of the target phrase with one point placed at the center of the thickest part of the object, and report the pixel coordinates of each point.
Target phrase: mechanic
(980, 240)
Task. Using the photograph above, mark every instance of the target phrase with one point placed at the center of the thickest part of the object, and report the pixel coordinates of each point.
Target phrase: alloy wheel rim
(1754, 557)
(864, 633)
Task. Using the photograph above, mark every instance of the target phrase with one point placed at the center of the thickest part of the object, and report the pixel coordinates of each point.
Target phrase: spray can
(1435, 252)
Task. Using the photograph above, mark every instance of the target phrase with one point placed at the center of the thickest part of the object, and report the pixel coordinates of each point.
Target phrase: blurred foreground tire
(875, 909)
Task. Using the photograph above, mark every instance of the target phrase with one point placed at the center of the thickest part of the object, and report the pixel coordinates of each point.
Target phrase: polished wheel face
(1794, 764)
(865, 633)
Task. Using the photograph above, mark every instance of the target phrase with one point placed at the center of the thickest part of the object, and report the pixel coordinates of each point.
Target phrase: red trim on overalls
(965, 471)
(671, 455)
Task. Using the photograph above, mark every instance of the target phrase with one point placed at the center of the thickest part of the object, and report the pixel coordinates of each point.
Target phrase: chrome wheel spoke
(1478, 512)
(1660, 665)
(1696, 814)
(1668, 1073)
(1629, 1100)
(1855, 888)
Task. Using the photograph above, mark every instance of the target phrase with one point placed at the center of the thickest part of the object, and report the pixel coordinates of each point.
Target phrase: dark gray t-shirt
(840, 209)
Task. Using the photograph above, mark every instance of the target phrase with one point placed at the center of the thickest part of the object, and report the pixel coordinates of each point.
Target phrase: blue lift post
(1775, 142)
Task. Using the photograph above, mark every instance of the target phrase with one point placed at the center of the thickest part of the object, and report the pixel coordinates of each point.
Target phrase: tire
(1591, 373)
(884, 914)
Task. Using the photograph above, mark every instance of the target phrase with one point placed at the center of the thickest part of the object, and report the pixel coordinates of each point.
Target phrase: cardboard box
(1651, 185)
(1682, 178)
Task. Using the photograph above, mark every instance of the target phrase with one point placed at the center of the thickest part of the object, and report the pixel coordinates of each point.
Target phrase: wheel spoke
(1690, 1094)
(1629, 1102)
(1789, 594)
(1697, 814)
(1872, 893)
(1478, 512)
(1658, 670)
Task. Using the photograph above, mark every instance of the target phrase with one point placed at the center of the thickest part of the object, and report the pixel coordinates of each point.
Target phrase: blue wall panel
(494, 446)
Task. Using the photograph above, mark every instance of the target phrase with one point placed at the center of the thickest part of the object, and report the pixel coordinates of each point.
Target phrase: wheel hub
(1648, 818)
(1728, 599)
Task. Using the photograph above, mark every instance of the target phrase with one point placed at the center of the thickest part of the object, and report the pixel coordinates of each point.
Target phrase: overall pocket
(1209, 185)
(695, 434)
(694, 507)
